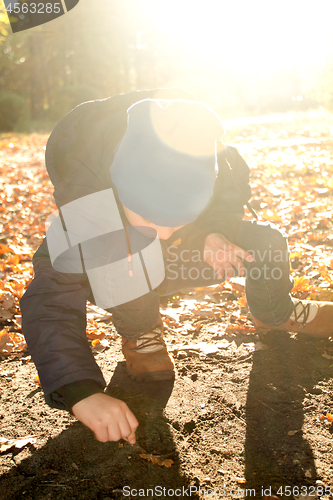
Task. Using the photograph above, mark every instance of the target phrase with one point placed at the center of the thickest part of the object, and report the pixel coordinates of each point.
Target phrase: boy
(150, 202)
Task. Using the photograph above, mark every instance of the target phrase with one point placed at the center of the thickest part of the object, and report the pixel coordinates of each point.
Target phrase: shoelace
(151, 341)
(305, 311)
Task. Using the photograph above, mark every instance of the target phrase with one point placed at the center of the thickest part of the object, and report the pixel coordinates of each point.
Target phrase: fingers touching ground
(110, 419)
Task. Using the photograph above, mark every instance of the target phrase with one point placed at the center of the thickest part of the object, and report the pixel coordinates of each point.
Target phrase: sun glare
(246, 33)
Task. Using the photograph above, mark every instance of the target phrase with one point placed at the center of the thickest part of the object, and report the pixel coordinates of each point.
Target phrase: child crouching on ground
(150, 202)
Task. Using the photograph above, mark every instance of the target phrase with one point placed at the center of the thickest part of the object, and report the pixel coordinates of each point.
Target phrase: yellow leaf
(301, 284)
(271, 215)
(242, 301)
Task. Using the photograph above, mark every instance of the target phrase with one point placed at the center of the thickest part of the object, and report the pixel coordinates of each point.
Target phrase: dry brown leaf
(5, 342)
(239, 328)
(325, 274)
(156, 459)
(11, 343)
(207, 313)
(7, 300)
(238, 285)
(99, 345)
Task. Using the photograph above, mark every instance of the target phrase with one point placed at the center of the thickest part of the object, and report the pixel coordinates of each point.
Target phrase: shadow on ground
(276, 452)
(74, 465)
(234, 420)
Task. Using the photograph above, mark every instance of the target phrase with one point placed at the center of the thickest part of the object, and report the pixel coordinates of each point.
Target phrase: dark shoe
(309, 317)
(147, 357)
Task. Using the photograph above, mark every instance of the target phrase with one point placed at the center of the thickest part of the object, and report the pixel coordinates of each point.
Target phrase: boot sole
(152, 376)
(262, 332)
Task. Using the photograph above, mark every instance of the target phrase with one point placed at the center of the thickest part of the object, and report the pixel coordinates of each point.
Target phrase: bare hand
(109, 418)
(224, 256)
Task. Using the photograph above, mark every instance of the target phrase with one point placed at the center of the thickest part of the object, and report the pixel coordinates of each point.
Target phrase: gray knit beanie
(165, 166)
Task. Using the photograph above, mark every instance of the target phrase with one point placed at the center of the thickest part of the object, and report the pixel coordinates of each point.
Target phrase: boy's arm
(54, 325)
(232, 190)
(226, 209)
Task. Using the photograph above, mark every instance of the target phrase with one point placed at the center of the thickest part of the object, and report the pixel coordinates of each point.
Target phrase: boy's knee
(266, 243)
(271, 237)
(278, 238)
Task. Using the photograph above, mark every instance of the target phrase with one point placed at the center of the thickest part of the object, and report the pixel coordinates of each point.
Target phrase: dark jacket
(79, 153)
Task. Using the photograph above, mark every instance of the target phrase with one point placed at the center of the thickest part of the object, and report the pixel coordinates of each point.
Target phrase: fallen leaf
(292, 433)
(238, 285)
(15, 446)
(272, 216)
(260, 346)
(7, 300)
(99, 345)
(242, 301)
(4, 249)
(5, 341)
(328, 418)
(301, 284)
(202, 347)
(95, 335)
(206, 313)
(11, 343)
(156, 459)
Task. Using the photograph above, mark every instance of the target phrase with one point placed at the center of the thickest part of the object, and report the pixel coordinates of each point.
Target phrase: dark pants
(268, 283)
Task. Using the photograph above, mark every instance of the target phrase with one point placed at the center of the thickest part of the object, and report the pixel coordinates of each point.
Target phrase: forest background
(242, 58)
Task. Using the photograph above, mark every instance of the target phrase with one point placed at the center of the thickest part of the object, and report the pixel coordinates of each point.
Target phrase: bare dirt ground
(246, 417)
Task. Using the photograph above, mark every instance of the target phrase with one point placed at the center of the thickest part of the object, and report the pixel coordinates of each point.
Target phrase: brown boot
(309, 317)
(147, 357)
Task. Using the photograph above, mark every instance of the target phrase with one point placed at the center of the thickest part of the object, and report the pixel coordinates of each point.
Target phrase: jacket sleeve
(54, 325)
(226, 208)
